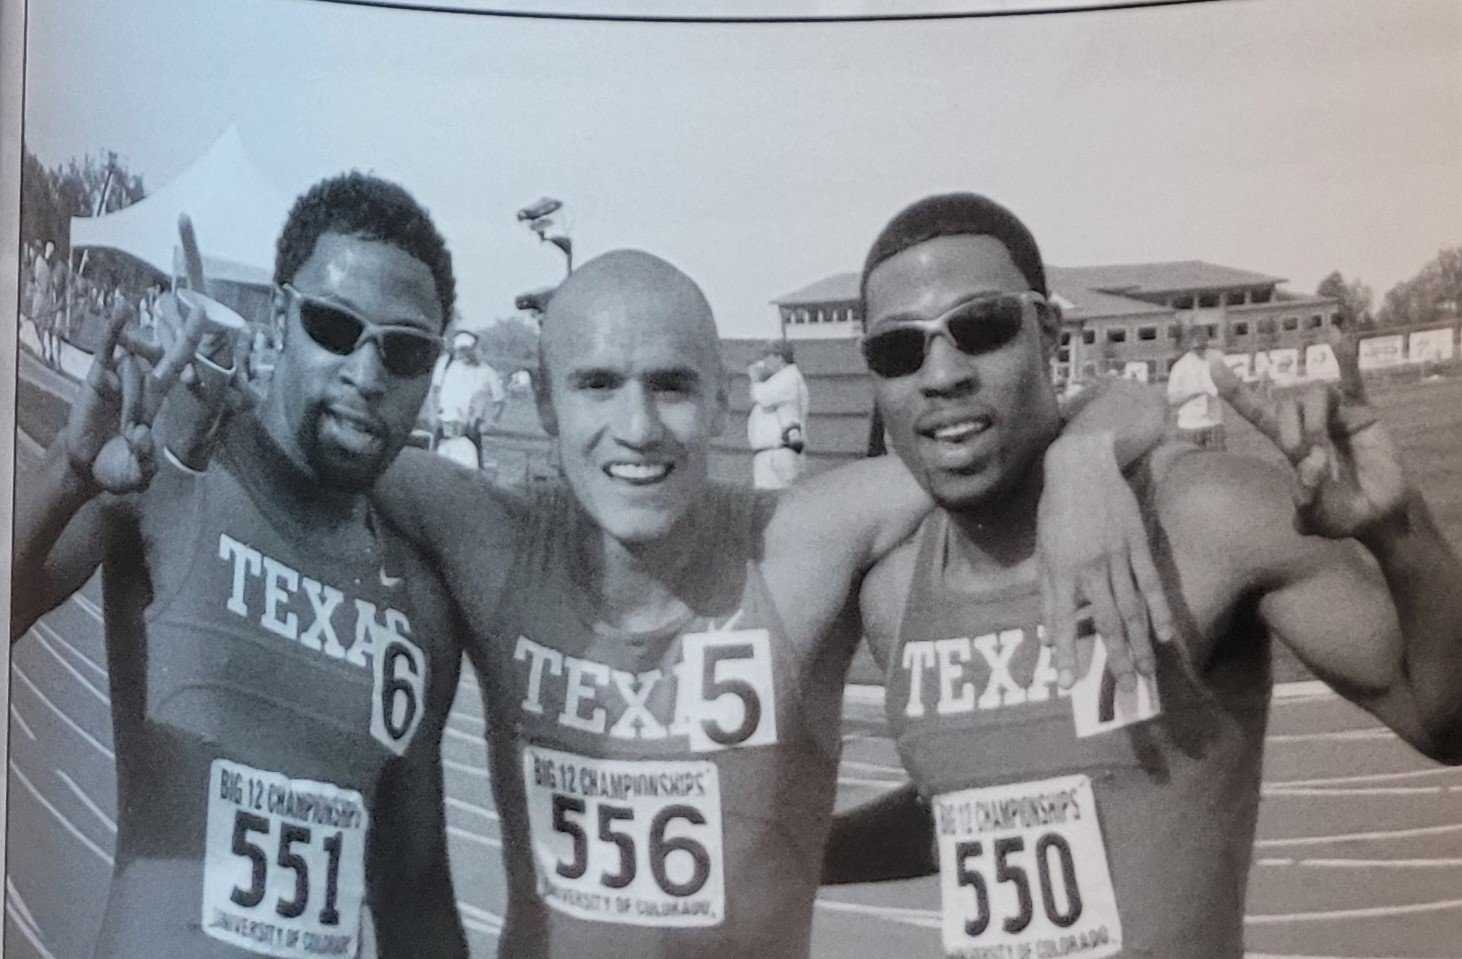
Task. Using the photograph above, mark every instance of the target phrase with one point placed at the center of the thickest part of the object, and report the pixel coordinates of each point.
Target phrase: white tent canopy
(236, 209)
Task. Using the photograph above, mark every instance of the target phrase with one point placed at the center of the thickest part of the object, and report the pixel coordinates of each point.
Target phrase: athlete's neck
(995, 540)
(642, 587)
(288, 486)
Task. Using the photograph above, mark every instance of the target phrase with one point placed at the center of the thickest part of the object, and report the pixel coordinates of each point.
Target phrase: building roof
(1152, 279)
(838, 288)
(1080, 303)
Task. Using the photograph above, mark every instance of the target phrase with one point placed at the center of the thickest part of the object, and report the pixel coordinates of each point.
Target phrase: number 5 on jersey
(729, 699)
(400, 668)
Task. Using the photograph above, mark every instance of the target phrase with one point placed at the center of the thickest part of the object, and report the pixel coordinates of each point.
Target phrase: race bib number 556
(284, 870)
(637, 842)
(1023, 872)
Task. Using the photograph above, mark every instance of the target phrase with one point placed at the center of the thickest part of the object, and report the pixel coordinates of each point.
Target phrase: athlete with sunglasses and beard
(281, 662)
(1067, 816)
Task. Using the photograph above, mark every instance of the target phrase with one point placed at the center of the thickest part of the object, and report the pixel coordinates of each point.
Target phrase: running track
(1359, 851)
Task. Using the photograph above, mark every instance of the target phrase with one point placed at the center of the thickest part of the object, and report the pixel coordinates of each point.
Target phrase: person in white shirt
(1193, 395)
(469, 400)
(777, 426)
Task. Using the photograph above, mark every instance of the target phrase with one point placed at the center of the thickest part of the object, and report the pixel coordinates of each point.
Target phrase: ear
(719, 417)
(543, 399)
(279, 315)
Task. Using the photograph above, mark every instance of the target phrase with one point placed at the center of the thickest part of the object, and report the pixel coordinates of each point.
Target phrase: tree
(1355, 300)
(510, 345)
(1434, 294)
(49, 198)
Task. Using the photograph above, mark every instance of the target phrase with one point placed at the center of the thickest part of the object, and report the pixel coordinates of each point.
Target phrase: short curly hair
(956, 214)
(358, 204)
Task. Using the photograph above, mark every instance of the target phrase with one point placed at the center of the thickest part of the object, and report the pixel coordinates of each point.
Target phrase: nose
(637, 420)
(365, 372)
(947, 371)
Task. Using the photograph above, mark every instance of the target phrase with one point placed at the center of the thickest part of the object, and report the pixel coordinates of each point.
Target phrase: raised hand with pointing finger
(1348, 473)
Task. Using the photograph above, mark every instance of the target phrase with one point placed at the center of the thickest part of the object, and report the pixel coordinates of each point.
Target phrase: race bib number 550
(1023, 872)
(637, 842)
(284, 870)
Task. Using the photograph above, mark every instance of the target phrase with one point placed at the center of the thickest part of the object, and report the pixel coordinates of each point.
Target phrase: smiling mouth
(960, 430)
(638, 474)
(362, 429)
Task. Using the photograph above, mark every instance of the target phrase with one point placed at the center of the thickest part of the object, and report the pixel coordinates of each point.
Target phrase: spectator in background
(469, 400)
(42, 297)
(777, 426)
(1192, 393)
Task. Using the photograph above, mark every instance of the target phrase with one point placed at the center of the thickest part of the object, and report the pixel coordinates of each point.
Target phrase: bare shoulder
(1233, 517)
(884, 595)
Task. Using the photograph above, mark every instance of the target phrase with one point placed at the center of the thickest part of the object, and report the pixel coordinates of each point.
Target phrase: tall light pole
(545, 218)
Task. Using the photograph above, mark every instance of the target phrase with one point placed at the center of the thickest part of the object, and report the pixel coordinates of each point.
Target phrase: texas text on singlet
(663, 794)
(1074, 824)
(261, 686)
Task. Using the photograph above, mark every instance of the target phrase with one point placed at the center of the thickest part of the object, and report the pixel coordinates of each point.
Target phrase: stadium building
(1124, 320)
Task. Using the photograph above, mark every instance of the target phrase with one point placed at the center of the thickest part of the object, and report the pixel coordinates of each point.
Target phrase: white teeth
(955, 432)
(639, 472)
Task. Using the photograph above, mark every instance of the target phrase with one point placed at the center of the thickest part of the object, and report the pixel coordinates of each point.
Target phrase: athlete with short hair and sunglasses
(281, 662)
(659, 656)
(1093, 820)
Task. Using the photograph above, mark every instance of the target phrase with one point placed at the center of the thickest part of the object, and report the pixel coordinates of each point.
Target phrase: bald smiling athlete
(662, 691)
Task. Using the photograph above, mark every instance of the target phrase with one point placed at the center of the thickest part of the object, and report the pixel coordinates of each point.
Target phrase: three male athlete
(1087, 821)
(281, 662)
(663, 697)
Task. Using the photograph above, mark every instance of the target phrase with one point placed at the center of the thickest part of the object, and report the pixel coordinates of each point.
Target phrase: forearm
(47, 499)
(1424, 577)
(1133, 414)
(891, 837)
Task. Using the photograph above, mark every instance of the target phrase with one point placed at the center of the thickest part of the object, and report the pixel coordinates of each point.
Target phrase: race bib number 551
(1023, 872)
(284, 870)
(637, 842)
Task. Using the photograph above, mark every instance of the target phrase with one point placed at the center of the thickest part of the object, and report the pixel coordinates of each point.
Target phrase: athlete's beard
(345, 473)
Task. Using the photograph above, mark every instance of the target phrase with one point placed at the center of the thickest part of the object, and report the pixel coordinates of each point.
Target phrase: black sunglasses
(975, 326)
(405, 350)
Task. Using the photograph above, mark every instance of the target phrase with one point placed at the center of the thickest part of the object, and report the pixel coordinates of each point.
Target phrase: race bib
(1098, 705)
(400, 684)
(637, 842)
(1023, 872)
(284, 870)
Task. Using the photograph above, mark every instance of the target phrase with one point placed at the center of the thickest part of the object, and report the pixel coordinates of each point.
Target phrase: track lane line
(16, 671)
(60, 816)
(88, 802)
(1365, 912)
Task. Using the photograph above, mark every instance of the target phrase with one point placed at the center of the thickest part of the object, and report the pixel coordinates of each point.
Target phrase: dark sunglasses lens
(893, 353)
(334, 330)
(986, 324)
(409, 354)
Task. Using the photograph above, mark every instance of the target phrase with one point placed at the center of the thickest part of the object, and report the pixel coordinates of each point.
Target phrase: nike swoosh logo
(390, 581)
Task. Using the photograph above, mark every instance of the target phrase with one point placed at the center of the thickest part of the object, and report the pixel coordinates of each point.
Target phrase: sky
(1289, 137)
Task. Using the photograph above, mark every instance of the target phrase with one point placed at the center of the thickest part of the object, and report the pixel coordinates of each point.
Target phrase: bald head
(627, 290)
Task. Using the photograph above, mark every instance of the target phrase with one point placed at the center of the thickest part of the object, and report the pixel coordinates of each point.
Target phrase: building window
(1335, 319)
(1183, 303)
(1147, 332)
(1063, 354)
(800, 316)
(1291, 323)
(1066, 338)
(1261, 296)
(1212, 330)
(1235, 298)
(1088, 337)
(1208, 301)
(1117, 334)
(1239, 328)
(1172, 331)
(1316, 322)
